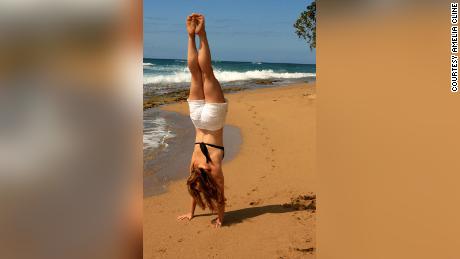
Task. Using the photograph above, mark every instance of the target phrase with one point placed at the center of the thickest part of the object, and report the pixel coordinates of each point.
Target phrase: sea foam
(156, 133)
(183, 76)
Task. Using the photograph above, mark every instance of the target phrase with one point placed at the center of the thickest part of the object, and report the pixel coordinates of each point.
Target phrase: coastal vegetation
(305, 25)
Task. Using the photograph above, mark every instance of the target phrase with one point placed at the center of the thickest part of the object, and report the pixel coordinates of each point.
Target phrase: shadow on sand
(238, 216)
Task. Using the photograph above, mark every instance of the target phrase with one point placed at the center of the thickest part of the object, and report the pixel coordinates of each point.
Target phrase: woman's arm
(190, 215)
(192, 210)
(220, 215)
(221, 208)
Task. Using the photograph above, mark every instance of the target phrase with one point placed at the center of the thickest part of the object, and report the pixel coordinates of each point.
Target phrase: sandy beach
(275, 164)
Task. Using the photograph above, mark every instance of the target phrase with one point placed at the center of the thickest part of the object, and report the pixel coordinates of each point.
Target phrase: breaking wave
(183, 76)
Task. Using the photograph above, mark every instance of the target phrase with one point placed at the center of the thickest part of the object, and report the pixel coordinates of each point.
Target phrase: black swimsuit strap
(205, 150)
(211, 145)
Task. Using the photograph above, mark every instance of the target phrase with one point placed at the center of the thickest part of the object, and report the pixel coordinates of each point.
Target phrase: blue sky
(238, 30)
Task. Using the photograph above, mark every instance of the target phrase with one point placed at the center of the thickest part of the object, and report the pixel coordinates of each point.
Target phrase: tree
(305, 26)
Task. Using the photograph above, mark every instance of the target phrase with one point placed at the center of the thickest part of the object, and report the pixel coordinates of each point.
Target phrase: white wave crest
(155, 133)
(147, 64)
(224, 76)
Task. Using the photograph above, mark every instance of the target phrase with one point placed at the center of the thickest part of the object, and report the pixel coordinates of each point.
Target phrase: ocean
(166, 133)
(168, 75)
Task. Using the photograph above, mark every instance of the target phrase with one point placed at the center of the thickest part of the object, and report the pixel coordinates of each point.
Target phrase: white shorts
(208, 116)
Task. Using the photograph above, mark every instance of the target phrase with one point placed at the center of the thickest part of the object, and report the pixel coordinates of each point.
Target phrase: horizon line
(241, 61)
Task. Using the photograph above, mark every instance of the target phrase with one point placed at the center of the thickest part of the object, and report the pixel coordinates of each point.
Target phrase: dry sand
(276, 162)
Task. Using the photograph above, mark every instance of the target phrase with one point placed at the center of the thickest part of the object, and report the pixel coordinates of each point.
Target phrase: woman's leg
(196, 85)
(212, 90)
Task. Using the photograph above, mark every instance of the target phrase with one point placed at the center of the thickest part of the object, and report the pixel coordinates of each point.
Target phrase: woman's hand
(188, 216)
(217, 222)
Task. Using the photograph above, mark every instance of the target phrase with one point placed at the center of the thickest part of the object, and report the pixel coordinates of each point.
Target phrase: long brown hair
(204, 189)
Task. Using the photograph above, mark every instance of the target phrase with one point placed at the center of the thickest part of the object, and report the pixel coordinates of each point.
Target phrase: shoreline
(153, 101)
(267, 181)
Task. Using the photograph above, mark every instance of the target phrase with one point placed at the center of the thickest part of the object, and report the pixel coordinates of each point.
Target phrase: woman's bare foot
(187, 216)
(199, 19)
(191, 25)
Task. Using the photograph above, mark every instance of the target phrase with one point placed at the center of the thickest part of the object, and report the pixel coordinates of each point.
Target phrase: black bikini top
(205, 150)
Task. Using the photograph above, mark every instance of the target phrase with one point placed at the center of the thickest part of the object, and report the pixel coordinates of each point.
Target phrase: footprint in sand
(303, 202)
(254, 203)
(309, 250)
(253, 190)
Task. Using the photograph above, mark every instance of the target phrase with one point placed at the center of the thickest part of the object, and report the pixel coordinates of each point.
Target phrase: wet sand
(265, 216)
(161, 166)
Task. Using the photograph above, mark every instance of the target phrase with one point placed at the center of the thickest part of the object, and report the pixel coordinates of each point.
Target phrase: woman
(208, 109)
